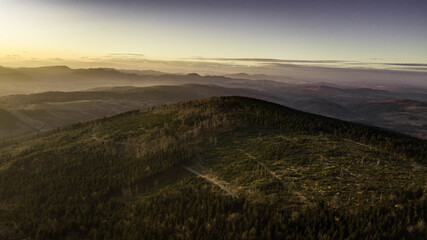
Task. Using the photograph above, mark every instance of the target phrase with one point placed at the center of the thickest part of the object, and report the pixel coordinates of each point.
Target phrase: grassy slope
(124, 176)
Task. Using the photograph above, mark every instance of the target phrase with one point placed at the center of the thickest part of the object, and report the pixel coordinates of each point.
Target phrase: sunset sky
(374, 31)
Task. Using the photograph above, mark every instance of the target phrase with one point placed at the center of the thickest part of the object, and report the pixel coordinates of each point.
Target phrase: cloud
(335, 64)
(15, 57)
(407, 64)
(130, 55)
(55, 59)
(218, 66)
(269, 60)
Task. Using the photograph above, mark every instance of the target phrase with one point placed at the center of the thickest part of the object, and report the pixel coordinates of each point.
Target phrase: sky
(339, 32)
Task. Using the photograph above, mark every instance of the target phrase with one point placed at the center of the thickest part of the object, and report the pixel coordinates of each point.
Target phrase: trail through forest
(212, 181)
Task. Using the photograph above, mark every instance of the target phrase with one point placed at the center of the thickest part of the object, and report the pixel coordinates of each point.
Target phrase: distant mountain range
(91, 93)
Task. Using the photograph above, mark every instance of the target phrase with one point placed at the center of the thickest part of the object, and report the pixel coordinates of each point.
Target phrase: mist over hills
(63, 78)
(213, 120)
(91, 93)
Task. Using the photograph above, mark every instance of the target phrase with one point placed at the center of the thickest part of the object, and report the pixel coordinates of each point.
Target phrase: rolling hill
(49, 110)
(12, 126)
(216, 168)
(329, 99)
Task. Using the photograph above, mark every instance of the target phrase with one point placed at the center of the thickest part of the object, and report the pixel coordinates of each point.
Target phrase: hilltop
(216, 168)
(25, 114)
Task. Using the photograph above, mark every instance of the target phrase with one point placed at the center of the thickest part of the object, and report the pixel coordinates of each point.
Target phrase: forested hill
(217, 168)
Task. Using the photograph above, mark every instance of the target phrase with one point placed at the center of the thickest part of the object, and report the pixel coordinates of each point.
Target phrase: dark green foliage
(195, 213)
(296, 176)
(268, 114)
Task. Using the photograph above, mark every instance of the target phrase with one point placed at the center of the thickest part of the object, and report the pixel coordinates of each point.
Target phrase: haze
(115, 33)
(204, 119)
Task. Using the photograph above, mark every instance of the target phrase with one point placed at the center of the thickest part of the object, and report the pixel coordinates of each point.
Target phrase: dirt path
(274, 175)
(212, 181)
(94, 137)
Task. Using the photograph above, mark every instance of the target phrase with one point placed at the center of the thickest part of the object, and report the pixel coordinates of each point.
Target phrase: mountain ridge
(220, 167)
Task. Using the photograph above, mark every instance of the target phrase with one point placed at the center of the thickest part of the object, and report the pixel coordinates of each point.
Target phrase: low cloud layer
(285, 70)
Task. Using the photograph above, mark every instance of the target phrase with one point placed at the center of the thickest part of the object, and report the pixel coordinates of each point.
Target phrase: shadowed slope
(294, 175)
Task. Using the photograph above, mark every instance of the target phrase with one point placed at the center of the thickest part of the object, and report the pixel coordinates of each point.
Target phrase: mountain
(144, 72)
(329, 99)
(12, 126)
(216, 168)
(324, 107)
(62, 78)
(403, 115)
(45, 111)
